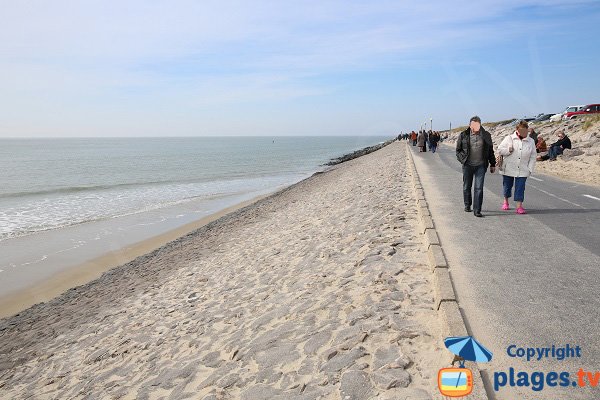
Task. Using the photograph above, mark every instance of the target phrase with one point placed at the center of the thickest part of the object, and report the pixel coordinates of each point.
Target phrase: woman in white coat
(518, 150)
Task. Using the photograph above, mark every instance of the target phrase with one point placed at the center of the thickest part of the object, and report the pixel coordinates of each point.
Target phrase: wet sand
(319, 291)
(79, 274)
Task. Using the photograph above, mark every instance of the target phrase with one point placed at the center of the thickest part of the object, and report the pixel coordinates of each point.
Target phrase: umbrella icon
(468, 348)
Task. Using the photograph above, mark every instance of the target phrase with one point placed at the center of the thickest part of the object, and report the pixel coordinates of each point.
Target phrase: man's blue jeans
(471, 174)
(554, 151)
(507, 185)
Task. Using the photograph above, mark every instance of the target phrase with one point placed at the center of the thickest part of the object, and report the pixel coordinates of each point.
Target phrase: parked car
(589, 109)
(542, 117)
(571, 109)
(556, 117)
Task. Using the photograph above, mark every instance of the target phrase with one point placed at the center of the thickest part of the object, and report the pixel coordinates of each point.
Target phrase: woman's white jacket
(521, 161)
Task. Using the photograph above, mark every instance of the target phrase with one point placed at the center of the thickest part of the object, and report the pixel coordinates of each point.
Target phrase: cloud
(267, 33)
(71, 57)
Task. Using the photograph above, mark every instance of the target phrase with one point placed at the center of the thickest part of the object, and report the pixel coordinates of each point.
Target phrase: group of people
(424, 139)
(516, 161)
(555, 149)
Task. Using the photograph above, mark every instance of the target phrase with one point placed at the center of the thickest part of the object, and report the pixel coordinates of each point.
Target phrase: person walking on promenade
(434, 138)
(429, 135)
(475, 150)
(421, 141)
(518, 151)
(426, 136)
(413, 137)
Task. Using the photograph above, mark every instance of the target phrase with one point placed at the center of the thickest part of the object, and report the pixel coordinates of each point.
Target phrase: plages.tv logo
(458, 382)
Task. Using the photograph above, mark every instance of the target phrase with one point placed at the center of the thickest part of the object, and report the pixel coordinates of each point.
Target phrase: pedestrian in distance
(413, 137)
(429, 135)
(519, 153)
(434, 138)
(421, 141)
(475, 151)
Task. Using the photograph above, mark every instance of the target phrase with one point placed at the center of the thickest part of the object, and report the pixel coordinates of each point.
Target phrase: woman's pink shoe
(505, 207)
(521, 210)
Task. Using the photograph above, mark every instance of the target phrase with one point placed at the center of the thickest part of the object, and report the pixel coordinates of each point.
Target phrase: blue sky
(195, 68)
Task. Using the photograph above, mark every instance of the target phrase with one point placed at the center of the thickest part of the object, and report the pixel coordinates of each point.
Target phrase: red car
(589, 109)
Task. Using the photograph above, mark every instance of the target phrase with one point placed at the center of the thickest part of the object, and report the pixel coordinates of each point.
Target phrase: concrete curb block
(431, 238)
(445, 297)
(426, 223)
(422, 203)
(450, 313)
(436, 257)
(423, 212)
(444, 291)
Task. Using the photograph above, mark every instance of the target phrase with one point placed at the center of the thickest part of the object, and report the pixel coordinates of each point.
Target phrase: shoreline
(82, 273)
(72, 278)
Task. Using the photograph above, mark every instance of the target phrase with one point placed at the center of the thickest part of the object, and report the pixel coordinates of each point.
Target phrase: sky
(221, 68)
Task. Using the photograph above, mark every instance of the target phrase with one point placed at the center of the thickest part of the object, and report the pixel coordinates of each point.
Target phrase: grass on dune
(590, 121)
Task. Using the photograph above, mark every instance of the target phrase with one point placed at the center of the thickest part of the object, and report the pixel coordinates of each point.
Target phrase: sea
(53, 183)
(65, 201)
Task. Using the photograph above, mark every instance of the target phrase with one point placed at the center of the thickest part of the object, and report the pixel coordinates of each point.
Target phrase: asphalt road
(526, 280)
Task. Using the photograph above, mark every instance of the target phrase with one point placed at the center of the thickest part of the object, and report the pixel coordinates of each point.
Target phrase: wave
(39, 214)
(92, 188)
(25, 231)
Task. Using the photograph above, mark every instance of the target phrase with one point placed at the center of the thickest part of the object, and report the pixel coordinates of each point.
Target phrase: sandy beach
(319, 291)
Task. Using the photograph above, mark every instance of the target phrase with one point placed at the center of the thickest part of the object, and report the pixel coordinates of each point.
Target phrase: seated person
(558, 147)
(534, 135)
(541, 146)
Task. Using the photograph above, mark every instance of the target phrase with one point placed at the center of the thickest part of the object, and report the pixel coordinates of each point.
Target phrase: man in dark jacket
(475, 150)
(559, 146)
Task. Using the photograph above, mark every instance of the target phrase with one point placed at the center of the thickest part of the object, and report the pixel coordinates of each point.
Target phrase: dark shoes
(475, 213)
